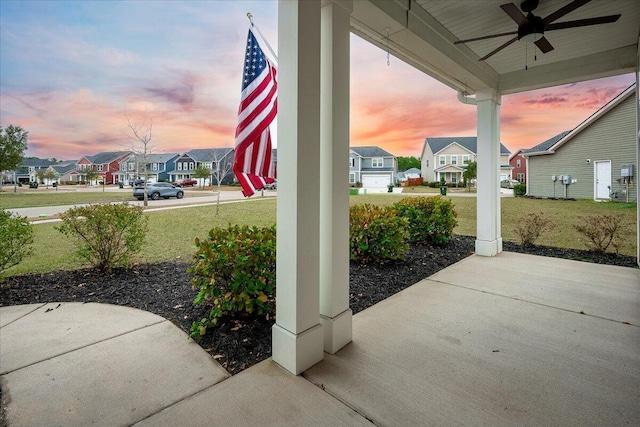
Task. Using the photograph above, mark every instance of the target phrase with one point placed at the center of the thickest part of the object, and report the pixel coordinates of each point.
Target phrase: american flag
(252, 163)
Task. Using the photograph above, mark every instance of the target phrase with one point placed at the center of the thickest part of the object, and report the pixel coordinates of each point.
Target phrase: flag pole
(275, 57)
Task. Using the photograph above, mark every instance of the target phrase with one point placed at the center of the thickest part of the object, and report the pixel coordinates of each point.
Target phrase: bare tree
(140, 138)
(221, 167)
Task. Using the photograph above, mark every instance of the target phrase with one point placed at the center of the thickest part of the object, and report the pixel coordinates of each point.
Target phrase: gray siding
(610, 137)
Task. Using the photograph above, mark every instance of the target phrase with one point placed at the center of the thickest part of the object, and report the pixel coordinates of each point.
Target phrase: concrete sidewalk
(510, 340)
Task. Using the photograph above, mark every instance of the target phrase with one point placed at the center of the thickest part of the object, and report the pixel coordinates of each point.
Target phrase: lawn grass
(172, 232)
(35, 198)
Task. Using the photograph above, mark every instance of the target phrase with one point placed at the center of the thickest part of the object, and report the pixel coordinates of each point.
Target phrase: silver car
(157, 190)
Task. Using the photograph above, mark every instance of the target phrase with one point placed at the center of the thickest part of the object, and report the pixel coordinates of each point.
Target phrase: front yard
(172, 232)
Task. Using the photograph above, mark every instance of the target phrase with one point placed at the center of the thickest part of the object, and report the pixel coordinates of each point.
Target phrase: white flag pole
(273, 54)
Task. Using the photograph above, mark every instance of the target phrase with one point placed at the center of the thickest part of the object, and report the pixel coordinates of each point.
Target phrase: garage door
(376, 180)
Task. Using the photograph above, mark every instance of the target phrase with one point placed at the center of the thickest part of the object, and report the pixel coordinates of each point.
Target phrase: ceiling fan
(531, 28)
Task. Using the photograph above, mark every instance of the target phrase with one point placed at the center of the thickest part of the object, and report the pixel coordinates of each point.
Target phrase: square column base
(337, 331)
(489, 247)
(297, 353)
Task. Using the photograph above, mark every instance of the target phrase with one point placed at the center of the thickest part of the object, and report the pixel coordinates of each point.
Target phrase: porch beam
(297, 334)
(335, 314)
(489, 240)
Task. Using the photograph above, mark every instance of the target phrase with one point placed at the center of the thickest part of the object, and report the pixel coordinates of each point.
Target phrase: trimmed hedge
(431, 219)
(377, 234)
(235, 272)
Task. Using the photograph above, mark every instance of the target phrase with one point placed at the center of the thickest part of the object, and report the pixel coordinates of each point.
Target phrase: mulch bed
(238, 343)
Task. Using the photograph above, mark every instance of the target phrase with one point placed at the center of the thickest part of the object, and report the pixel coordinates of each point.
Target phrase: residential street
(44, 213)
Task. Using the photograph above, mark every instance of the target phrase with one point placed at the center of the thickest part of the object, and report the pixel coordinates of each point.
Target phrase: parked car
(271, 186)
(185, 183)
(508, 183)
(157, 190)
(138, 182)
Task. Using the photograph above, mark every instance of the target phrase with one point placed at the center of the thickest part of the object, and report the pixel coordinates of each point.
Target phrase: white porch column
(489, 240)
(297, 334)
(335, 314)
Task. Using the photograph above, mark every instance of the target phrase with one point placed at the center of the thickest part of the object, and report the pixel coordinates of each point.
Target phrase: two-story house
(372, 166)
(107, 164)
(445, 158)
(158, 167)
(28, 169)
(210, 158)
(518, 163)
(65, 171)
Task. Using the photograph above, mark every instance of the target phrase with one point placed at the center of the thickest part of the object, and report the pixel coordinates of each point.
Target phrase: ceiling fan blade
(544, 45)
(493, 52)
(582, 22)
(510, 33)
(564, 10)
(514, 13)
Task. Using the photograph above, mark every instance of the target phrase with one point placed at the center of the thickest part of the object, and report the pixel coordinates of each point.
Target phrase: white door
(373, 181)
(602, 180)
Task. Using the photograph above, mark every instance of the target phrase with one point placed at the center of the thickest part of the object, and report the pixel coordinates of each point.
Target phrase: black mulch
(238, 343)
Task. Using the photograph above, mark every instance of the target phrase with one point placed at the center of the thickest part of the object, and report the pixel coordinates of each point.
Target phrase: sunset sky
(71, 71)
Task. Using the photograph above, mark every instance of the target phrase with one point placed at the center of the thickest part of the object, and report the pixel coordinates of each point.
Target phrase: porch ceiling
(422, 33)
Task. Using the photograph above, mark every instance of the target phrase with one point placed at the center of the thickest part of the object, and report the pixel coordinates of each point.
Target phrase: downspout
(466, 99)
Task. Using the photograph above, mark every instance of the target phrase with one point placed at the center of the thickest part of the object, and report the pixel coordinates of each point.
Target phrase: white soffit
(422, 33)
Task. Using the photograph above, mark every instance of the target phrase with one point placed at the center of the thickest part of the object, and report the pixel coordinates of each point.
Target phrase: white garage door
(376, 180)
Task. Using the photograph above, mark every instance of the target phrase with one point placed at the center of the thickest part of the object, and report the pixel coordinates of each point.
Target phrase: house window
(454, 160)
(154, 167)
(443, 160)
(352, 162)
(518, 163)
(465, 159)
(454, 178)
(179, 166)
(99, 168)
(352, 178)
(376, 162)
(520, 177)
(191, 165)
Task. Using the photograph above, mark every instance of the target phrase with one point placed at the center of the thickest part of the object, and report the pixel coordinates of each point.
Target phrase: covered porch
(313, 315)
(478, 343)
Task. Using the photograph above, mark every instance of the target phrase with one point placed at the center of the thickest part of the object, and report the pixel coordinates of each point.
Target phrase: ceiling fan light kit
(531, 28)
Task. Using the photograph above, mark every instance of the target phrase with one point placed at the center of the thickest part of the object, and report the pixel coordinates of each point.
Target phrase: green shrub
(235, 271)
(377, 234)
(602, 231)
(108, 234)
(520, 189)
(431, 219)
(531, 226)
(16, 236)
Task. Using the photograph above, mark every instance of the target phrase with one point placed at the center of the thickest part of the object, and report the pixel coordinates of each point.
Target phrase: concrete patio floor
(510, 340)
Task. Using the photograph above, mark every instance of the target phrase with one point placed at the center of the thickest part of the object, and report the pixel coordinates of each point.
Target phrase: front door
(603, 180)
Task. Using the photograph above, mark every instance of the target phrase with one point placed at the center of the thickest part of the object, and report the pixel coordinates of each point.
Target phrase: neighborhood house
(596, 160)
(445, 158)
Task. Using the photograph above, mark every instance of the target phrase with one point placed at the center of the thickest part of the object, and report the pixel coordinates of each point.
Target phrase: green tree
(49, 175)
(90, 175)
(13, 144)
(406, 163)
(470, 172)
(202, 173)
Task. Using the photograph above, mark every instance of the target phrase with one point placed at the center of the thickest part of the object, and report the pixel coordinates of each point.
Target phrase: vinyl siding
(611, 137)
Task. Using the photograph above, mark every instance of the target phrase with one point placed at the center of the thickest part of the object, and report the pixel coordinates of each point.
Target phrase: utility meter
(554, 178)
(626, 170)
(566, 179)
